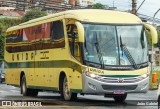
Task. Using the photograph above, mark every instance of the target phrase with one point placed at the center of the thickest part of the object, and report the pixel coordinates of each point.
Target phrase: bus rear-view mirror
(80, 31)
(152, 32)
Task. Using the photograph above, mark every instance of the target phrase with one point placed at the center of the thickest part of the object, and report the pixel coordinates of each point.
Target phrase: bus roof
(85, 15)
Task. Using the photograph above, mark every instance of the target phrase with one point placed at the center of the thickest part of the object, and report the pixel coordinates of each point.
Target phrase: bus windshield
(115, 44)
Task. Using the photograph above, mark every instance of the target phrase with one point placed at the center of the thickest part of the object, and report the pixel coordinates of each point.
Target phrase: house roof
(8, 13)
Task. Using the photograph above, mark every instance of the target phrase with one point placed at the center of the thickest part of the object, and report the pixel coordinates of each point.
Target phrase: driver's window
(72, 38)
(71, 30)
(77, 51)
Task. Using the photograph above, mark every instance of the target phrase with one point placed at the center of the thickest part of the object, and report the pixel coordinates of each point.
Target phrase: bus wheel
(33, 92)
(24, 89)
(67, 95)
(120, 98)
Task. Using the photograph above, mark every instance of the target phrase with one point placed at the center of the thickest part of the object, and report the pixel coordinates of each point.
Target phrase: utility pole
(134, 5)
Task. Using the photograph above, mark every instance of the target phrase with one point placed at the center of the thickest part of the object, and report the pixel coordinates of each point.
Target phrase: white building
(7, 8)
(85, 3)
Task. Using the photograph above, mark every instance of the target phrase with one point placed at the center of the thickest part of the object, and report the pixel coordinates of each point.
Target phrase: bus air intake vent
(112, 87)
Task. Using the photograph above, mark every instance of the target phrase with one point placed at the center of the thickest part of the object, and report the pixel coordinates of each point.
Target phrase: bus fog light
(144, 76)
(144, 86)
(92, 86)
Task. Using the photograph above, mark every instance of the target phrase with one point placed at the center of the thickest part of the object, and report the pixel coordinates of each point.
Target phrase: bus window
(14, 37)
(57, 30)
(77, 51)
(57, 34)
(74, 45)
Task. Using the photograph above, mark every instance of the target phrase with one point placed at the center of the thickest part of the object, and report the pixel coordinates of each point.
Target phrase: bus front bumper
(93, 86)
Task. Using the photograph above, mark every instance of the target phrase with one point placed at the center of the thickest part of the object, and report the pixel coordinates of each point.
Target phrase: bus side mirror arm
(153, 32)
(80, 29)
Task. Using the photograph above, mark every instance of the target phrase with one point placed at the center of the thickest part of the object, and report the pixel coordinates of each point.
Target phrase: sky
(149, 7)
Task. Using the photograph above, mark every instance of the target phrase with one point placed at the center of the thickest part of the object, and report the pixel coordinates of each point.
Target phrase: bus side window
(72, 37)
(77, 51)
(57, 34)
(57, 30)
(14, 37)
(71, 30)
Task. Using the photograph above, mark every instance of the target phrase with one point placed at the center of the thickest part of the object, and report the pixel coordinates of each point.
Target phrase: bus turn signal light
(154, 77)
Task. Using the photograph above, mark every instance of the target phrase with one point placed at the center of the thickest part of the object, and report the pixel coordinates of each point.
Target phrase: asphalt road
(50, 100)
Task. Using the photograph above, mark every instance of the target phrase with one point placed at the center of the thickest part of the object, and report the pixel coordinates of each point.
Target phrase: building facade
(86, 3)
(24, 5)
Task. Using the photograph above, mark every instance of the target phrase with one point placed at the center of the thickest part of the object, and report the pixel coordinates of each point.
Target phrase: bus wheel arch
(23, 85)
(63, 84)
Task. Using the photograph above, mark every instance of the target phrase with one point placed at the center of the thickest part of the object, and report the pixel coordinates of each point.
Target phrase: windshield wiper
(127, 53)
(98, 50)
(142, 38)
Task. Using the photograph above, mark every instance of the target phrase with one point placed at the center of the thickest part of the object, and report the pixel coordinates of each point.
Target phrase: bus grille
(119, 80)
(111, 87)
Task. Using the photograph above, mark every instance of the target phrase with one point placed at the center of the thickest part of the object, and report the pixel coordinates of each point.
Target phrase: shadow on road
(56, 100)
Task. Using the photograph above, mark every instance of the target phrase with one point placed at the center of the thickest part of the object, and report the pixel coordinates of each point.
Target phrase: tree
(4, 24)
(33, 14)
(149, 39)
(158, 44)
(98, 6)
(2, 42)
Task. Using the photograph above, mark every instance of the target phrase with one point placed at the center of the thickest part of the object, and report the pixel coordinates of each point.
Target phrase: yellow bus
(86, 51)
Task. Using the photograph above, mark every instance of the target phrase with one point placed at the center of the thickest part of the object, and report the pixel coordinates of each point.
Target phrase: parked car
(2, 72)
(2, 77)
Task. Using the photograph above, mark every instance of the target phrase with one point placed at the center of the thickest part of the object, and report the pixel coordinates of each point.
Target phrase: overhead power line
(140, 5)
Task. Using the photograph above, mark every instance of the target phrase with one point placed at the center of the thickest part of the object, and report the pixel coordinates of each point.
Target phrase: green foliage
(4, 24)
(158, 44)
(149, 39)
(8, 22)
(33, 14)
(2, 28)
(98, 6)
(2, 42)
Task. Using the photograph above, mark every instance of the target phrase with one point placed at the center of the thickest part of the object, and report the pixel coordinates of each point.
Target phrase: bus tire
(120, 98)
(24, 89)
(66, 94)
(33, 92)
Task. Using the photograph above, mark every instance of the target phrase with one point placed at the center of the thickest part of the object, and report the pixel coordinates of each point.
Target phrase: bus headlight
(144, 76)
(91, 75)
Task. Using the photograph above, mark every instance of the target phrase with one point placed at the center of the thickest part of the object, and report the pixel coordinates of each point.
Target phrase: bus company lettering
(96, 70)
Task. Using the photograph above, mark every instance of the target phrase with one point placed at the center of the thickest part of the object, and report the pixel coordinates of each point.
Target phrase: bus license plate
(119, 91)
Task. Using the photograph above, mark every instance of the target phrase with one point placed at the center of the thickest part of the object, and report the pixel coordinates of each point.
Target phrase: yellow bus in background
(85, 51)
